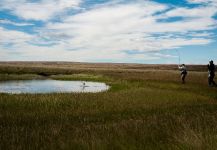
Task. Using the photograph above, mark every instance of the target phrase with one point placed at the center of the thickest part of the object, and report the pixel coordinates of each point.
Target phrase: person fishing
(211, 73)
(183, 70)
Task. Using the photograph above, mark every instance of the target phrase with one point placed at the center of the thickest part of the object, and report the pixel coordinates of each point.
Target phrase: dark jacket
(211, 69)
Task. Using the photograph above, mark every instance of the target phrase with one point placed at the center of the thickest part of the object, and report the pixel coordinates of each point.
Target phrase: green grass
(86, 77)
(142, 110)
(5, 77)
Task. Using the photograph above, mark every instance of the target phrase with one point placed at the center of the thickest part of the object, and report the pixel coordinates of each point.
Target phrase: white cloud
(107, 31)
(130, 26)
(198, 12)
(202, 1)
(203, 34)
(15, 37)
(15, 23)
(212, 3)
(39, 10)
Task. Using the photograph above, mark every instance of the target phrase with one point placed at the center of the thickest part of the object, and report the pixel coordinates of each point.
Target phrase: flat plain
(146, 107)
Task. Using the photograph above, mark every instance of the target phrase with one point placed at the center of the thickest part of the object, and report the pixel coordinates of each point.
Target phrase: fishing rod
(178, 56)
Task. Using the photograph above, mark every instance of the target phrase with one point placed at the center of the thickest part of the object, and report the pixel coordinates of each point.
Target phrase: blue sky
(124, 31)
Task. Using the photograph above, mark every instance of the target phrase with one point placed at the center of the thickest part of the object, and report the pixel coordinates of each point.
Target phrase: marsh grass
(143, 110)
(4, 77)
(85, 77)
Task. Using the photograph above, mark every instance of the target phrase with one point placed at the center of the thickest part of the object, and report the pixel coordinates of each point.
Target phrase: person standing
(211, 73)
(183, 70)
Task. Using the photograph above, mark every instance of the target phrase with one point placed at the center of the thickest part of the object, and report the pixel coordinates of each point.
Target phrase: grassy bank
(145, 109)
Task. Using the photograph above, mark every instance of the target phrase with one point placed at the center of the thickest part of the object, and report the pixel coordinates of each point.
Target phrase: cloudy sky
(129, 31)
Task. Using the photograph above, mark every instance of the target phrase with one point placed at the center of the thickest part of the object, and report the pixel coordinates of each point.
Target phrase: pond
(50, 86)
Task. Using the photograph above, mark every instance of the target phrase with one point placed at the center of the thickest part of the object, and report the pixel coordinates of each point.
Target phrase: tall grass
(143, 110)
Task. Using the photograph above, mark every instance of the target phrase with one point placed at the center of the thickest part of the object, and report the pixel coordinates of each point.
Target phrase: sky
(115, 31)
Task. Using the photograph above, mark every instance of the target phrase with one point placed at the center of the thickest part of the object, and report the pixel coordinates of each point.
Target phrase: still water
(51, 86)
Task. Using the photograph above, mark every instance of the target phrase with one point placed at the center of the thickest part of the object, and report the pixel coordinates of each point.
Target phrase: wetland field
(145, 108)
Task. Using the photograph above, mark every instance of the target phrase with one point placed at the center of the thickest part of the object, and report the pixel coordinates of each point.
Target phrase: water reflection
(50, 86)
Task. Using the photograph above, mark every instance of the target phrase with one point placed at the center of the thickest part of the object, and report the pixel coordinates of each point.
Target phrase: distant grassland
(68, 68)
(147, 107)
